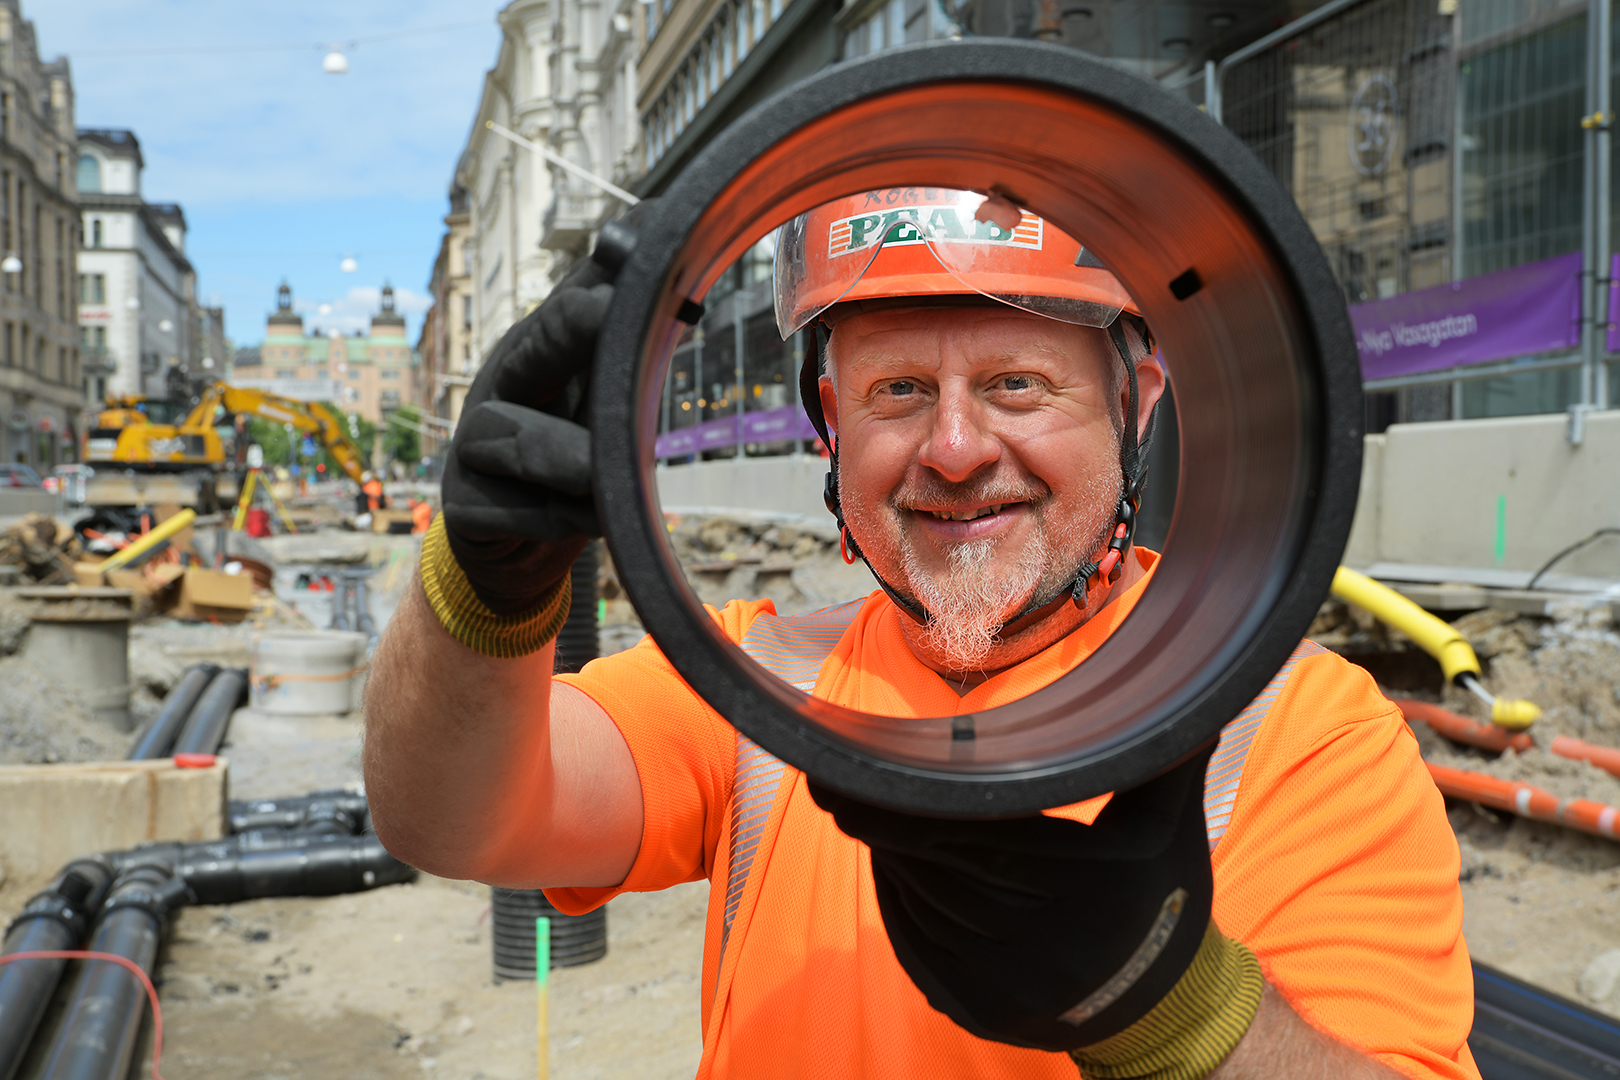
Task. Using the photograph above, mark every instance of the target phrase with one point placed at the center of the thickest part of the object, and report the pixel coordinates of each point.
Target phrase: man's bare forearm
(1280, 1044)
(474, 771)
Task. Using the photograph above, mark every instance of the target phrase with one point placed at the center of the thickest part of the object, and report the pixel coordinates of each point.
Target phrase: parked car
(18, 475)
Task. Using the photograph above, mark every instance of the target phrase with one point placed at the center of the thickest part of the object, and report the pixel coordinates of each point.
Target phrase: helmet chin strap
(1108, 566)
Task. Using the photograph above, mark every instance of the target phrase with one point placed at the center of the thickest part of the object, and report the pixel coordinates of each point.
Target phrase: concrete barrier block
(54, 813)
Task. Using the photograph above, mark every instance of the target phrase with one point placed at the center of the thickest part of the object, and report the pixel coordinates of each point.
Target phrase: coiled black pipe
(321, 811)
(157, 741)
(575, 939)
(107, 1002)
(577, 642)
(205, 726)
(53, 920)
(275, 863)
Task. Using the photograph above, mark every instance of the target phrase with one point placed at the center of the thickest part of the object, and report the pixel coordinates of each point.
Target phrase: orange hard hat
(922, 241)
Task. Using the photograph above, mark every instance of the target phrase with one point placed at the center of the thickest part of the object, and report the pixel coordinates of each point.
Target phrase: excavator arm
(310, 417)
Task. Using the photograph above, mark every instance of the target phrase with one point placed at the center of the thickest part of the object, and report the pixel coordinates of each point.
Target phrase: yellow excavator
(147, 450)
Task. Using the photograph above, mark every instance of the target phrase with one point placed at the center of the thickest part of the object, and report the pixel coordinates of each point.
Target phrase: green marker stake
(1501, 529)
(542, 982)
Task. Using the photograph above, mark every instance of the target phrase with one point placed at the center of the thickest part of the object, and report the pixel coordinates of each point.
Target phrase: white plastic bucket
(306, 672)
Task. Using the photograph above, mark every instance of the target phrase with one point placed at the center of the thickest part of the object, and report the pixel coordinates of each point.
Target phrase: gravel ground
(396, 982)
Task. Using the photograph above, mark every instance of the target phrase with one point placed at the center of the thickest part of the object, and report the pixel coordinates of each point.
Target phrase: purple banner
(788, 422)
(1613, 344)
(1529, 309)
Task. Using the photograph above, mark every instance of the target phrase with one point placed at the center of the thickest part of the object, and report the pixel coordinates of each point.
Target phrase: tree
(402, 441)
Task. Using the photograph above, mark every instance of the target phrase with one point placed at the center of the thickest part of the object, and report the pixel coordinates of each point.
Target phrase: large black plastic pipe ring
(1259, 349)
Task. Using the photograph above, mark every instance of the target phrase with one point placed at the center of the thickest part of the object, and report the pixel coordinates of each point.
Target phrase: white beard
(968, 603)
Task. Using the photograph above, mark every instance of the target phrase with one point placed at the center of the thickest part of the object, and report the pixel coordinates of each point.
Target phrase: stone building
(446, 344)
(41, 379)
(373, 373)
(564, 78)
(137, 290)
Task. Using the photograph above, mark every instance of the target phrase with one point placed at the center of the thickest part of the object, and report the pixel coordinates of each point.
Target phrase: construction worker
(372, 489)
(1285, 904)
(421, 516)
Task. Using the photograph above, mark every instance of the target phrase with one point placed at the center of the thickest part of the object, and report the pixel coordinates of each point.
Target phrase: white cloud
(354, 310)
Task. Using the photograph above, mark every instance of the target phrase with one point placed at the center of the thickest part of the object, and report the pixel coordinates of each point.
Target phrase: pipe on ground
(157, 741)
(107, 1003)
(52, 920)
(1462, 729)
(205, 726)
(259, 864)
(321, 811)
(1527, 800)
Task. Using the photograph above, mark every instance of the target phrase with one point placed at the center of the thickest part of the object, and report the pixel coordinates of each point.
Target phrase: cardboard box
(211, 596)
(89, 575)
(147, 581)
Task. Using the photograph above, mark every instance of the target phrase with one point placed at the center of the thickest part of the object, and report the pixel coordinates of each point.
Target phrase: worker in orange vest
(421, 516)
(373, 490)
(1289, 895)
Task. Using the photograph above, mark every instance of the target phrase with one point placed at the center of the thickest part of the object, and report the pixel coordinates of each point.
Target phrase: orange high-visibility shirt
(1334, 862)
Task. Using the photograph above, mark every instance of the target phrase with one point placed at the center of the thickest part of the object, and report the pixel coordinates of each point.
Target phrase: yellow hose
(150, 540)
(1433, 635)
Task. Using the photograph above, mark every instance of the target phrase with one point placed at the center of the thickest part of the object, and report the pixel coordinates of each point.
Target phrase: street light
(11, 264)
(335, 63)
(165, 326)
(348, 265)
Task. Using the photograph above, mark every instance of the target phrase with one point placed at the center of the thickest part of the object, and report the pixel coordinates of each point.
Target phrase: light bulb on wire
(348, 265)
(335, 63)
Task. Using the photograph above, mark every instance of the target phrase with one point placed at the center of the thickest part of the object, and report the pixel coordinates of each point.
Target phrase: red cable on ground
(1464, 730)
(1526, 800)
(1604, 757)
(140, 973)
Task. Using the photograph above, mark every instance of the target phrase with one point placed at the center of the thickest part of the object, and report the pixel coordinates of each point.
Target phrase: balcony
(94, 362)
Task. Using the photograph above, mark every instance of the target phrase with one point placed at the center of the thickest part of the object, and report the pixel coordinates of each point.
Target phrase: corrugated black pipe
(205, 727)
(157, 741)
(321, 811)
(53, 920)
(575, 939)
(274, 863)
(107, 1002)
(577, 642)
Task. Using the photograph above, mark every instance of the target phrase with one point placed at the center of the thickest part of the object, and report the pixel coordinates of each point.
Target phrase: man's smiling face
(978, 461)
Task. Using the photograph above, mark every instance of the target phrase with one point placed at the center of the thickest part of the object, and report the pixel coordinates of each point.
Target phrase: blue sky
(284, 170)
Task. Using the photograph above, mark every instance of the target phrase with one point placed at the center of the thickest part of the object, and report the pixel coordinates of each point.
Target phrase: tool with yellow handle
(1435, 637)
(140, 547)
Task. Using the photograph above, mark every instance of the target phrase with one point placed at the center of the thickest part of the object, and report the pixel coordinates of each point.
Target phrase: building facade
(138, 313)
(564, 79)
(371, 374)
(41, 380)
(446, 344)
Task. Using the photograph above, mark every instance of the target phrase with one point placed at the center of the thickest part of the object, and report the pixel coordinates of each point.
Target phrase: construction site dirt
(397, 981)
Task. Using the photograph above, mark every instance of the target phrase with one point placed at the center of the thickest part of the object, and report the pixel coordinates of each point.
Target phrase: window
(466, 312)
(11, 344)
(390, 373)
(95, 232)
(89, 173)
(92, 288)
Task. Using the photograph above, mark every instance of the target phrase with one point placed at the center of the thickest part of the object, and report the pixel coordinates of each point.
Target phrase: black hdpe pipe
(107, 1002)
(205, 726)
(259, 864)
(157, 741)
(51, 921)
(577, 641)
(322, 811)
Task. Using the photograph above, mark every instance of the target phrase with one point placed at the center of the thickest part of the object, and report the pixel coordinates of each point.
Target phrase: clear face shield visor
(937, 242)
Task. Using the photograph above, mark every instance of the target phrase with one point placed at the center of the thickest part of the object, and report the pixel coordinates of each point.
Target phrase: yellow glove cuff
(466, 618)
(1190, 1032)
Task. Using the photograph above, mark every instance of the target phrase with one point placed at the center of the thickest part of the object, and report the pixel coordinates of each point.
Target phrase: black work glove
(517, 496)
(1045, 933)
